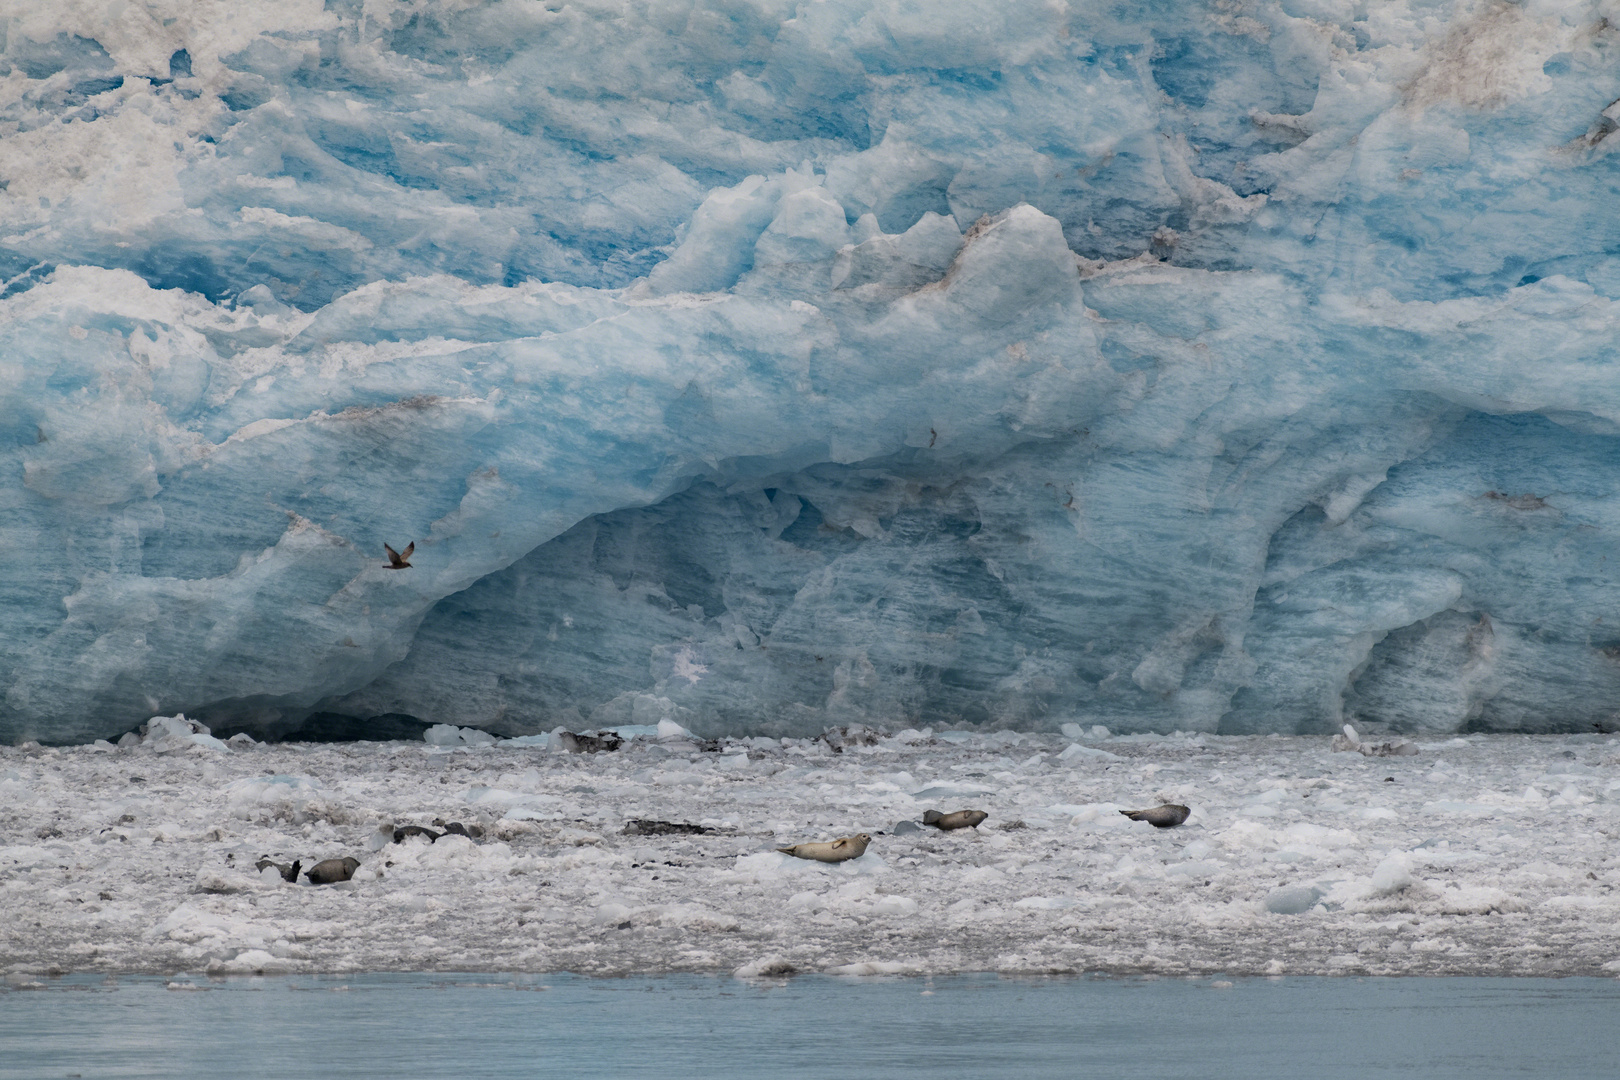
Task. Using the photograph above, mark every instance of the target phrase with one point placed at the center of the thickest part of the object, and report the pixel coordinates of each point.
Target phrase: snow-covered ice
(1480, 855)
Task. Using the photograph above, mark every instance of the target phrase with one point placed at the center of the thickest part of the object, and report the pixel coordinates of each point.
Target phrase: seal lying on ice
(474, 833)
(332, 871)
(1167, 816)
(956, 819)
(577, 743)
(849, 847)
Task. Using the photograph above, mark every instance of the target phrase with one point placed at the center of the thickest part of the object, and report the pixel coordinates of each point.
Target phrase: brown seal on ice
(956, 819)
(332, 871)
(849, 847)
(1166, 816)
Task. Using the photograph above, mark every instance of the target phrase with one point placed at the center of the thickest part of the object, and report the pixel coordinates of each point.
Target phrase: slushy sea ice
(1170, 367)
(1486, 855)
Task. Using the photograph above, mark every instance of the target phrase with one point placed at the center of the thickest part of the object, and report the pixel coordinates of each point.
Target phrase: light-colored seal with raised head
(849, 847)
(956, 819)
(1166, 816)
(332, 871)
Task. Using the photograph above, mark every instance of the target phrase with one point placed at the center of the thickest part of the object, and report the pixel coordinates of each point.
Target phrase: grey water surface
(404, 1026)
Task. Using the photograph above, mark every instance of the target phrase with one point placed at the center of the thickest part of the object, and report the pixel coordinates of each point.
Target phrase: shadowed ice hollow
(1240, 367)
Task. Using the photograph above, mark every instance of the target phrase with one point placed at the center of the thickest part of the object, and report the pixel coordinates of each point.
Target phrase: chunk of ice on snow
(951, 791)
(895, 905)
(669, 729)
(1293, 899)
(1075, 750)
(450, 735)
(166, 734)
(1392, 875)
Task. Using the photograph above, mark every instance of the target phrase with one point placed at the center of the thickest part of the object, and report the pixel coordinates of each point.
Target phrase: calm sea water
(406, 1026)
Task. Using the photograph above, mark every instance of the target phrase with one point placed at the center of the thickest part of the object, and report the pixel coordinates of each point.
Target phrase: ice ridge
(761, 367)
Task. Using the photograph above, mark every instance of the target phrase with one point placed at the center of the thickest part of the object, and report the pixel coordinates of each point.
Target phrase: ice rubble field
(1235, 367)
(1480, 855)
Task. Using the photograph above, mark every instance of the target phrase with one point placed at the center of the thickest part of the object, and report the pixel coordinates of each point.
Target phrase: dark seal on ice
(474, 833)
(288, 873)
(956, 819)
(649, 827)
(405, 832)
(332, 871)
(1167, 816)
(580, 743)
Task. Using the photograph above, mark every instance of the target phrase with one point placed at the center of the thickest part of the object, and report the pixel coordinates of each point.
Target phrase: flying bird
(396, 561)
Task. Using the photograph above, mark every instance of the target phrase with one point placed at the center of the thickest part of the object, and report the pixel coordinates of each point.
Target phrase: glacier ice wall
(1245, 366)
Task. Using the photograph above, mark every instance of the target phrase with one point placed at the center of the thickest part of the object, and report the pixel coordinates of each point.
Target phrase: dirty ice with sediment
(1235, 368)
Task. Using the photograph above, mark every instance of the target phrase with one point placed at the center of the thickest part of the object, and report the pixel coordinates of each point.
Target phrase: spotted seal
(841, 850)
(332, 871)
(956, 819)
(1167, 816)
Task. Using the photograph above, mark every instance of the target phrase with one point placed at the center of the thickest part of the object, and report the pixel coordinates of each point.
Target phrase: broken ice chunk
(450, 735)
(1394, 748)
(1293, 899)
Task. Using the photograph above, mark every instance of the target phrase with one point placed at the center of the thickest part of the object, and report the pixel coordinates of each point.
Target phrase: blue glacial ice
(760, 366)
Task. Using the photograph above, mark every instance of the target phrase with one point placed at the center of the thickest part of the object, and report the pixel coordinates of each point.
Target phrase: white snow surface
(1488, 855)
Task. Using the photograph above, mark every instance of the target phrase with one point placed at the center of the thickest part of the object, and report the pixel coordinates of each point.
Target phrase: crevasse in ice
(1237, 367)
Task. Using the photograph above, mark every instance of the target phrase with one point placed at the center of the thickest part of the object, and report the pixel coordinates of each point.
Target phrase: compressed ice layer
(759, 368)
(1489, 855)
